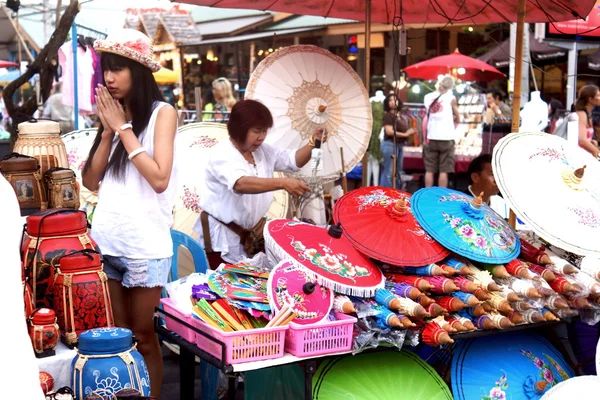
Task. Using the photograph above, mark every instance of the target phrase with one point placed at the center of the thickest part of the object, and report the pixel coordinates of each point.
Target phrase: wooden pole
(516, 111)
(344, 179)
(365, 160)
(198, 103)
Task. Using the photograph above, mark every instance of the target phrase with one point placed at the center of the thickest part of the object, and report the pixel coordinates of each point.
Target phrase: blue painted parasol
(465, 225)
(515, 366)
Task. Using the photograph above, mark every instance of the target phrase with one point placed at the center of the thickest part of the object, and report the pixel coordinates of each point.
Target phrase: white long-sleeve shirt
(226, 165)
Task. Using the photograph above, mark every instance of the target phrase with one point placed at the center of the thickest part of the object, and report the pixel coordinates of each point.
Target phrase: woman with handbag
(131, 164)
(239, 181)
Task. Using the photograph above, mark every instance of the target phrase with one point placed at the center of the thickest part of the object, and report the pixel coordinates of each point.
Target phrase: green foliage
(375, 143)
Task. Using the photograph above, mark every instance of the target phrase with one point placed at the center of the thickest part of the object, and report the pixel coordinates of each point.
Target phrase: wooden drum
(41, 139)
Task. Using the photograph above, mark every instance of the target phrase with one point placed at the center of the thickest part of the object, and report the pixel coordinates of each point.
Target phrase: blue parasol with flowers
(465, 225)
(515, 366)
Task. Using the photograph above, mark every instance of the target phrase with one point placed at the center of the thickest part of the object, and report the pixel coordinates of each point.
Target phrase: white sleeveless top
(131, 219)
(440, 125)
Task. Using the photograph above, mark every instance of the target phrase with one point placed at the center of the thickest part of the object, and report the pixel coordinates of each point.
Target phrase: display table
(59, 365)
(189, 351)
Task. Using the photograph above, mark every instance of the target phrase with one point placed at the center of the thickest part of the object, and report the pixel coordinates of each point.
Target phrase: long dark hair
(144, 93)
(585, 94)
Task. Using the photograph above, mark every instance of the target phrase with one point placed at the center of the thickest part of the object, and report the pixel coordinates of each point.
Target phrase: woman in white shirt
(239, 181)
(134, 161)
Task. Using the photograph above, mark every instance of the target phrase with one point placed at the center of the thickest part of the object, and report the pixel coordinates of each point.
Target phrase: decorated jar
(43, 331)
(62, 188)
(41, 138)
(23, 174)
(81, 297)
(107, 361)
(49, 235)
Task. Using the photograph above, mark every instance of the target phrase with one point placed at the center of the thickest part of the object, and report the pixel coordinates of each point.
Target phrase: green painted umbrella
(379, 375)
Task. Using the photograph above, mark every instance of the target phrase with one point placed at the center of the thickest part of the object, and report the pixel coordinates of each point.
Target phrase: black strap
(86, 252)
(432, 103)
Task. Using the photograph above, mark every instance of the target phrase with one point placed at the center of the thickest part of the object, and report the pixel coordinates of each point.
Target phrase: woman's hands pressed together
(110, 111)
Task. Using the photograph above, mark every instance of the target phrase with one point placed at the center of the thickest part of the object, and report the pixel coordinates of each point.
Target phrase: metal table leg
(310, 367)
(187, 368)
(231, 386)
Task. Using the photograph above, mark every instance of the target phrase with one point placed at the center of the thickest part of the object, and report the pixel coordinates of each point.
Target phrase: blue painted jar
(107, 361)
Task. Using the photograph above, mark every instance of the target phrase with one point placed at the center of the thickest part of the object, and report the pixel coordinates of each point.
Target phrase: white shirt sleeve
(224, 168)
(284, 159)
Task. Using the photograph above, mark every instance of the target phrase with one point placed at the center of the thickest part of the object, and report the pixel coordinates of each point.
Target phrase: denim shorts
(138, 273)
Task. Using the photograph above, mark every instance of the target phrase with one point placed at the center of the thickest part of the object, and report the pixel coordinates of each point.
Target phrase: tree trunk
(45, 64)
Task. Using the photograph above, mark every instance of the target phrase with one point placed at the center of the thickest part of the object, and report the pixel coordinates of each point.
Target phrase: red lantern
(51, 234)
(81, 296)
(46, 381)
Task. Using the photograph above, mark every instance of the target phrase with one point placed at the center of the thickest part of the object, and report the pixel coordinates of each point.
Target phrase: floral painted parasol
(307, 87)
(326, 255)
(378, 221)
(290, 285)
(554, 187)
(465, 225)
(193, 141)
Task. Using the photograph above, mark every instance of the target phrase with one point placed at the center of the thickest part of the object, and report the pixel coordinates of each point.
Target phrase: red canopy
(456, 64)
(418, 11)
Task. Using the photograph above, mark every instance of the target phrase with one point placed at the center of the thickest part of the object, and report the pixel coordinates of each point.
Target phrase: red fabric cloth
(414, 11)
(415, 162)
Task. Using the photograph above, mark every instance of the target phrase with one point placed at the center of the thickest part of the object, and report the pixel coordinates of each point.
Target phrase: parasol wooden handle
(579, 172)
(478, 201)
(400, 207)
(322, 108)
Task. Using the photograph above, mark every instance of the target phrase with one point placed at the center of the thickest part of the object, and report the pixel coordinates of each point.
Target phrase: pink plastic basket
(174, 326)
(322, 338)
(243, 346)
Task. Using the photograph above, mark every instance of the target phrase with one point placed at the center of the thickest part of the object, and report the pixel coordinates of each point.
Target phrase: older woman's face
(256, 136)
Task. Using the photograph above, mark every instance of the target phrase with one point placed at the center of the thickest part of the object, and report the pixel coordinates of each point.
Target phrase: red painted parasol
(378, 221)
(326, 255)
(462, 67)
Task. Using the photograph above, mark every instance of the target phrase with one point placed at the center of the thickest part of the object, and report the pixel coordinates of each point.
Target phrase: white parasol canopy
(553, 186)
(307, 87)
(78, 145)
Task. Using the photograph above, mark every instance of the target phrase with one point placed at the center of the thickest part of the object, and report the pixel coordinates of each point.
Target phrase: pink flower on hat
(138, 45)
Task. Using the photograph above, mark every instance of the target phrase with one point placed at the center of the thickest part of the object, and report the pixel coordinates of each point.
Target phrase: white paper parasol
(78, 145)
(193, 142)
(542, 178)
(307, 87)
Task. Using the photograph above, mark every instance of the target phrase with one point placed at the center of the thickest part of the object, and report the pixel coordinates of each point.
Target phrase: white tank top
(131, 219)
(440, 125)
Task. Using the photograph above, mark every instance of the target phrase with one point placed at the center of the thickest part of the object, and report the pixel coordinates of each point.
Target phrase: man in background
(497, 108)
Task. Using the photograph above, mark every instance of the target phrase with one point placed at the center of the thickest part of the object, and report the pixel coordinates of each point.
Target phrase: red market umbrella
(326, 255)
(417, 11)
(379, 222)
(456, 64)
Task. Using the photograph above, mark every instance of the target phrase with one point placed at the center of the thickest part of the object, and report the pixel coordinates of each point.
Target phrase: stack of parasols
(450, 264)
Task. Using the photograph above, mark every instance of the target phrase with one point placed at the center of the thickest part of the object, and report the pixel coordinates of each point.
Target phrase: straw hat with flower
(131, 44)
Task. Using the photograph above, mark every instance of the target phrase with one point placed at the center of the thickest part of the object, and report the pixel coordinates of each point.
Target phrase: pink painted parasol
(290, 285)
